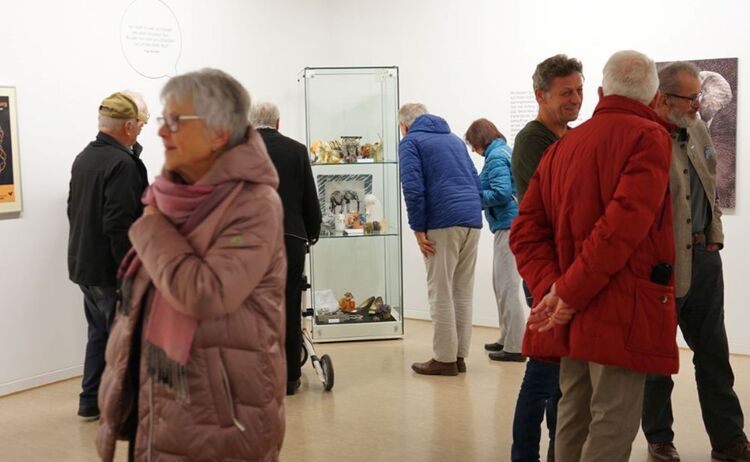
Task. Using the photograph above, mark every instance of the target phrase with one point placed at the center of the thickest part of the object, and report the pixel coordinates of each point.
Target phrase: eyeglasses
(173, 121)
(695, 99)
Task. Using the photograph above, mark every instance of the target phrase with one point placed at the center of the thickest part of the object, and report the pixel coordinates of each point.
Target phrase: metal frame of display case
(387, 174)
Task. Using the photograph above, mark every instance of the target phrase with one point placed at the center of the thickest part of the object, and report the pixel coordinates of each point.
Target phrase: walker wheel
(327, 366)
(303, 356)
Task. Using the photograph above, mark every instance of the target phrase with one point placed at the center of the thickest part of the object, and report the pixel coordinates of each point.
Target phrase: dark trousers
(539, 395)
(295, 255)
(701, 317)
(99, 308)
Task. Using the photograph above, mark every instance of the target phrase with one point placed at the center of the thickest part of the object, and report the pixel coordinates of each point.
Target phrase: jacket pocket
(220, 390)
(653, 327)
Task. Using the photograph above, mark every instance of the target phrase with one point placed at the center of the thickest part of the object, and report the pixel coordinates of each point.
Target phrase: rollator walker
(323, 365)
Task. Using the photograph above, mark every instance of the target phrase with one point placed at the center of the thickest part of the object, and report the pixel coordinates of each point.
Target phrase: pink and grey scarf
(168, 332)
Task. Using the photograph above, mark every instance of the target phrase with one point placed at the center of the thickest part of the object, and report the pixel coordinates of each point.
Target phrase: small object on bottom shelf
(347, 303)
(340, 317)
(377, 303)
(364, 307)
(383, 313)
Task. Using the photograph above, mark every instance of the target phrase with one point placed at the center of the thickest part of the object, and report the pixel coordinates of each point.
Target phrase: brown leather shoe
(663, 451)
(740, 452)
(433, 367)
(460, 364)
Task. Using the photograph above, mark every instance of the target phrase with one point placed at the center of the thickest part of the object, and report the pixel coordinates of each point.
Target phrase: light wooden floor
(378, 410)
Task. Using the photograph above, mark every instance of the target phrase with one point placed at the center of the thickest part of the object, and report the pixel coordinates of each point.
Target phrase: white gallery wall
(461, 58)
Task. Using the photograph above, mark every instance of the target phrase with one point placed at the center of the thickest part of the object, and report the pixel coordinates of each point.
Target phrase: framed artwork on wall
(10, 174)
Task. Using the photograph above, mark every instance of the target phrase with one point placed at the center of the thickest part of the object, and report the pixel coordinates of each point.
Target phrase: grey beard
(682, 120)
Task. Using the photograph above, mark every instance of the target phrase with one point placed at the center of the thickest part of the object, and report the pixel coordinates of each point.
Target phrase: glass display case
(355, 267)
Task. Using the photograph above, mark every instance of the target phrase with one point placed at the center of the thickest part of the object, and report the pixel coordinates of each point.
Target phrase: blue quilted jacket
(441, 185)
(499, 199)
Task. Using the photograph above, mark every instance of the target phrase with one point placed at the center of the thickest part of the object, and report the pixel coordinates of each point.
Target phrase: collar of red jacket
(617, 103)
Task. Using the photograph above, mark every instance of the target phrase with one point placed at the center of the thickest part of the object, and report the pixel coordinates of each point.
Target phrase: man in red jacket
(594, 243)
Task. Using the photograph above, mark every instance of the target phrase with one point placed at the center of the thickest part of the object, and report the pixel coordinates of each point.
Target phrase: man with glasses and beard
(699, 283)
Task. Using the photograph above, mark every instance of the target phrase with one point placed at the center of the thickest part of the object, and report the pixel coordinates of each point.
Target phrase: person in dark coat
(106, 184)
(302, 218)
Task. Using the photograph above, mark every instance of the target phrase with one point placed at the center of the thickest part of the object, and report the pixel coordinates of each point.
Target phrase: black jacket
(302, 214)
(106, 185)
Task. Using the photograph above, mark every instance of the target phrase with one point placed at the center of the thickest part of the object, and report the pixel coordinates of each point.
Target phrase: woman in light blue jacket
(500, 208)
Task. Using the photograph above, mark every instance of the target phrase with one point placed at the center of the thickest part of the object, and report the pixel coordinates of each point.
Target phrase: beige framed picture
(10, 164)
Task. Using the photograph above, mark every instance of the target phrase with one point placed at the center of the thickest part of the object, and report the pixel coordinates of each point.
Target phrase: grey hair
(409, 112)
(668, 76)
(264, 115)
(555, 66)
(631, 74)
(140, 102)
(109, 124)
(217, 97)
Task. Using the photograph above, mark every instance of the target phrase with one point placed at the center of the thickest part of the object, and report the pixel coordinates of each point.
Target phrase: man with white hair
(302, 217)
(106, 184)
(594, 242)
(442, 193)
(699, 282)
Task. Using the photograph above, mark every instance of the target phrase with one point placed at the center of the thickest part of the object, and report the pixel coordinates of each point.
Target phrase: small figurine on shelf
(353, 221)
(364, 307)
(373, 208)
(377, 150)
(347, 303)
(365, 151)
(376, 303)
(339, 222)
(383, 313)
(315, 151)
(350, 148)
(327, 225)
(326, 152)
(373, 213)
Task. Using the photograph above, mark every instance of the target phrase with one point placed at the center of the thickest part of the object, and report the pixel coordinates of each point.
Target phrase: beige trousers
(450, 290)
(599, 413)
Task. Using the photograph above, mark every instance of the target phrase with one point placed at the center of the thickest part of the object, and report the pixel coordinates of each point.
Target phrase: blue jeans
(99, 307)
(540, 393)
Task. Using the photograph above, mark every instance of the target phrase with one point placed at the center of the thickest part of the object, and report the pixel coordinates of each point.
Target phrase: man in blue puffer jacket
(443, 200)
